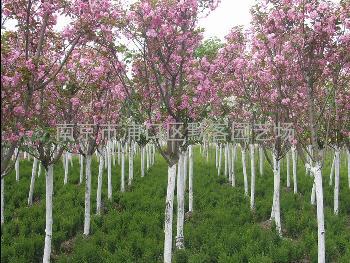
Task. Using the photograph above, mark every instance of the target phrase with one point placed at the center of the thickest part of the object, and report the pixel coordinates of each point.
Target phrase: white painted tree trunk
(109, 170)
(332, 172)
(122, 183)
(32, 182)
(276, 210)
(190, 179)
(229, 163)
(216, 155)
(252, 182)
(2, 200)
(288, 169)
(87, 195)
(40, 168)
(168, 228)
(336, 180)
(225, 156)
(65, 156)
(48, 228)
(180, 204)
(113, 152)
(261, 160)
(220, 158)
(313, 193)
(142, 151)
(348, 154)
(70, 155)
(320, 213)
(99, 186)
(294, 160)
(17, 165)
(154, 153)
(131, 170)
(81, 159)
(118, 146)
(234, 153)
(185, 166)
(244, 166)
(147, 157)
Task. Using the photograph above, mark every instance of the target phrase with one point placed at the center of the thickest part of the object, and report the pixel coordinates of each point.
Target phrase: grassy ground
(221, 229)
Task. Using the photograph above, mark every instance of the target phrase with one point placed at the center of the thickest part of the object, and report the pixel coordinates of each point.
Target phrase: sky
(218, 23)
(228, 14)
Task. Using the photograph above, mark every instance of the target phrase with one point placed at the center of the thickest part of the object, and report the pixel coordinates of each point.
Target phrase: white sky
(228, 14)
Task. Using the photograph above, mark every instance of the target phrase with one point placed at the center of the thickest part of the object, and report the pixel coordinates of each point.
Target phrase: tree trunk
(109, 170)
(40, 167)
(190, 179)
(130, 164)
(252, 182)
(320, 213)
(118, 146)
(87, 195)
(276, 210)
(332, 172)
(2, 200)
(180, 204)
(336, 181)
(294, 159)
(122, 183)
(245, 177)
(261, 160)
(81, 169)
(17, 165)
(220, 158)
(168, 229)
(313, 193)
(233, 158)
(32, 181)
(185, 165)
(99, 185)
(65, 156)
(147, 157)
(216, 156)
(142, 152)
(229, 163)
(288, 169)
(348, 154)
(225, 155)
(48, 228)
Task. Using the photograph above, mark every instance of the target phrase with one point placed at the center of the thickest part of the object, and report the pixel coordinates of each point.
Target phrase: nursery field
(222, 227)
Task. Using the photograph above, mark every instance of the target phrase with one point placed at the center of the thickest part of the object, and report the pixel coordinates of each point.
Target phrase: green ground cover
(130, 229)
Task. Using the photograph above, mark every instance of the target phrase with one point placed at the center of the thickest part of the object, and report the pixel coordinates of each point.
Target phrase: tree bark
(81, 158)
(122, 183)
(336, 180)
(17, 165)
(190, 179)
(168, 229)
(87, 195)
(261, 160)
(66, 167)
(109, 170)
(276, 210)
(252, 182)
(48, 228)
(32, 182)
(244, 166)
(180, 203)
(332, 172)
(233, 158)
(2, 200)
(99, 186)
(294, 159)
